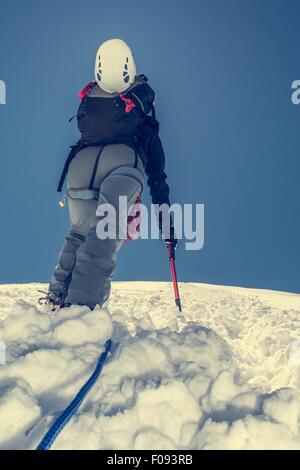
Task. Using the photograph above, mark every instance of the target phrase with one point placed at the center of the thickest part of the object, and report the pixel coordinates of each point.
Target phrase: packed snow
(224, 374)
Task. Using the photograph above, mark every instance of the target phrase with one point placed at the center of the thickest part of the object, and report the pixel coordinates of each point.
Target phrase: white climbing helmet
(115, 69)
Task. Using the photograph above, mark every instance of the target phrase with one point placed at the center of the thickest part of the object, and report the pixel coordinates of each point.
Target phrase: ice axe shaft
(174, 276)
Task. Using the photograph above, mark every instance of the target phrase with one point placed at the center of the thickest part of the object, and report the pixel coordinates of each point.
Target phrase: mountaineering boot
(50, 299)
(69, 304)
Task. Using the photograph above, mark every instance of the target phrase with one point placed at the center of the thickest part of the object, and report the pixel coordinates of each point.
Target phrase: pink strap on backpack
(129, 103)
(85, 90)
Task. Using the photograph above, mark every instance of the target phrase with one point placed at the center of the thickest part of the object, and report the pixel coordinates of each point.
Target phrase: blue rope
(67, 414)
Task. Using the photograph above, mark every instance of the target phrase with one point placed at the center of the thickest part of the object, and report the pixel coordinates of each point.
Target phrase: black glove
(172, 241)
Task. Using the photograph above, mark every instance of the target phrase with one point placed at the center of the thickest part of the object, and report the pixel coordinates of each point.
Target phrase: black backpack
(122, 119)
(103, 120)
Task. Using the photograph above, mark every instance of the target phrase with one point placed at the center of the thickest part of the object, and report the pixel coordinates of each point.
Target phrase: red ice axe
(171, 251)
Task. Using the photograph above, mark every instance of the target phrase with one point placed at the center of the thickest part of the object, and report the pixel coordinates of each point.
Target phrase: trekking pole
(171, 252)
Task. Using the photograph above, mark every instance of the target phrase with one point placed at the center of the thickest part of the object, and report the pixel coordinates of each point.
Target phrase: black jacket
(155, 163)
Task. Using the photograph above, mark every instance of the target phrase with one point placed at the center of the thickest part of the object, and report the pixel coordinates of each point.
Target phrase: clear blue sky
(222, 71)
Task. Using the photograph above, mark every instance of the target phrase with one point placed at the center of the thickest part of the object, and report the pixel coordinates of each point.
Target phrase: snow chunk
(18, 412)
(220, 378)
(283, 406)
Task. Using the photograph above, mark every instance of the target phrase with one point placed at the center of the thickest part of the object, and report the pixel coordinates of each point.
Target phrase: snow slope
(225, 375)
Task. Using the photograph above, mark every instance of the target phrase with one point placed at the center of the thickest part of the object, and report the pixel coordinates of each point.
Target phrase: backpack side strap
(74, 150)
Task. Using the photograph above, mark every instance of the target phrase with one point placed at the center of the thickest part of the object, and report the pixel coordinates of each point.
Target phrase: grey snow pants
(86, 263)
